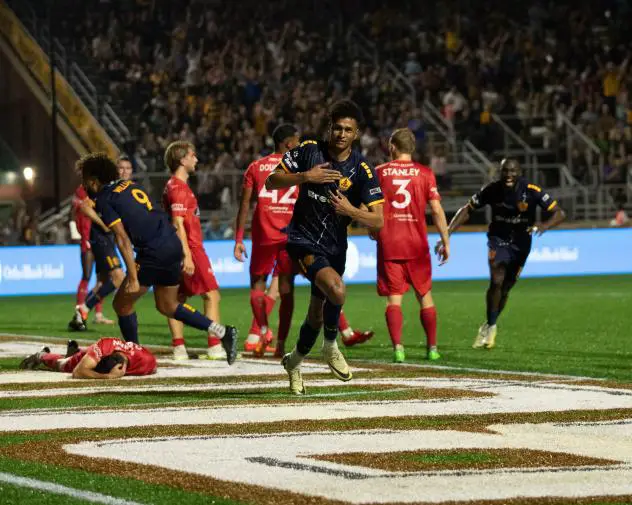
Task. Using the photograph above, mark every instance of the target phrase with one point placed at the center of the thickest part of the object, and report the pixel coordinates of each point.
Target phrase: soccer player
(108, 358)
(272, 214)
(108, 265)
(513, 202)
(403, 257)
(334, 181)
(127, 210)
(197, 278)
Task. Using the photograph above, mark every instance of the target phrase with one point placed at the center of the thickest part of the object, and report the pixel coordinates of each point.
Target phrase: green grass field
(577, 326)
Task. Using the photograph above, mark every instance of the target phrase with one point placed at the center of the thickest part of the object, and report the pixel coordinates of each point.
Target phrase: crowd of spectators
(224, 75)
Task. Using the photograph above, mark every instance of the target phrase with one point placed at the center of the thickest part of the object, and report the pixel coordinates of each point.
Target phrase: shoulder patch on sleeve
(306, 142)
(369, 174)
(535, 188)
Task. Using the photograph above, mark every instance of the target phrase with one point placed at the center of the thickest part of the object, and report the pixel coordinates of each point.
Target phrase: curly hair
(346, 108)
(99, 166)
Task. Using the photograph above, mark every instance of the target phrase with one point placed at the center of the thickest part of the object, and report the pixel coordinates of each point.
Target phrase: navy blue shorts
(309, 262)
(161, 266)
(510, 253)
(105, 255)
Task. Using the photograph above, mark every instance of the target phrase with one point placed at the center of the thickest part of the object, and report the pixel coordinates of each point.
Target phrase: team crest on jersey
(523, 206)
(308, 260)
(345, 183)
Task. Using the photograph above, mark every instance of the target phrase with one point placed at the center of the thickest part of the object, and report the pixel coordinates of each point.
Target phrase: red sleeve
(432, 193)
(79, 196)
(102, 348)
(177, 201)
(249, 176)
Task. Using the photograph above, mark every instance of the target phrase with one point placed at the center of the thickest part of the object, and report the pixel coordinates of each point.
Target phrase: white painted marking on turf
(51, 487)
(284, 460)
(23, 349)
(508, 397)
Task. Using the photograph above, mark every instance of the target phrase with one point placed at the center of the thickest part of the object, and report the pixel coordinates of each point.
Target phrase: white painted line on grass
(50, 487)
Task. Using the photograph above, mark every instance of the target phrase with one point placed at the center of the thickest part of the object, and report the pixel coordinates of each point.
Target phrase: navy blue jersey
(513, 209)
(146, 224)
(97, 235)
(315, 222)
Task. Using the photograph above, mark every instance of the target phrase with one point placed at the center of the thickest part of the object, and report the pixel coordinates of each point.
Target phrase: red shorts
(394, 277)
(271, 258)
(203, 280)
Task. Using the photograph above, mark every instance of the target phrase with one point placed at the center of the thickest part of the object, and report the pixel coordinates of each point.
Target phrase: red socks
(49, 360)
(395, 322)
(258, 305)
(285, 316)
(429, 322)
(177, 341)
(98, 308)
(343, 324)
(82, 292)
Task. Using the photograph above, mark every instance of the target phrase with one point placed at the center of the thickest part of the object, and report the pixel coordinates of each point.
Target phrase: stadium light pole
(53, 96)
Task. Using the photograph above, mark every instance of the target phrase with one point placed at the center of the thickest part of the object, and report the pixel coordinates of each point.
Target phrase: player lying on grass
(334, 180)
(403, 257)
(136, 222)
(513, 202)
(108, 358)
(108, 265)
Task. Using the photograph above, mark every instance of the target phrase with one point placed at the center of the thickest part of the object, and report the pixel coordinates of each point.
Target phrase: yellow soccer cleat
(491, 337)
(481, 338)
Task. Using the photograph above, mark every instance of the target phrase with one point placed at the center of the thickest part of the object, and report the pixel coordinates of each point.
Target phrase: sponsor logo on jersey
(316, 196)
(375, 191)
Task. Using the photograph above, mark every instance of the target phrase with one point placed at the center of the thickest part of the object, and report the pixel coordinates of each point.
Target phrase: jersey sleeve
(370, 192)
(482, 197)
(100, 349)
(177, 203)
(542, 198)
(249, 177)
(432, 192)
(295, 160)
(108, 215)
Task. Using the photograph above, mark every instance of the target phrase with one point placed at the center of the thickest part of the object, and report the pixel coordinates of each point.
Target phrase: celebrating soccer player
(513, 202)
(334, 181)
(198, 279)
(272, 214)
(403, 257)
(108, 358)
(135, 221)
(108, 265)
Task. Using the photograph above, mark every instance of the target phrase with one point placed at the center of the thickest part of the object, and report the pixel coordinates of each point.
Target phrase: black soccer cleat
(72, 348)
(229, 343)
(33, 361)
(78, 322)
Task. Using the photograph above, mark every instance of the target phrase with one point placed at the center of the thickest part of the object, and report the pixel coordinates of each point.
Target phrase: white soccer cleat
(99, 318)
(337, 363)
(481, 338)
(491, 337)
(297, 386)
(180, 353)
(214, 353)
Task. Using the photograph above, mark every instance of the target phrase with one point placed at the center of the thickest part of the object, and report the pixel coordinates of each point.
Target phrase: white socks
(219, 330)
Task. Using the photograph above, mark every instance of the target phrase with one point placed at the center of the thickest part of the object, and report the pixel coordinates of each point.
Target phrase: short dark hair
(123, 157)
(99, 166)
(282, 132)
(105, 365)
(346, 108)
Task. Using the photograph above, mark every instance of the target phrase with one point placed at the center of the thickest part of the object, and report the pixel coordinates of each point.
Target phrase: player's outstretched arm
(87, 210)
(85, 370)
(240, 223)
(318, 174)
(461, 217)
(440, 221)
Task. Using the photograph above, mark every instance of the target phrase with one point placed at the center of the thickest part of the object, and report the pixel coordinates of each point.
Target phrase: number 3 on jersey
(402, 184)
(141, 197)
(288, 198)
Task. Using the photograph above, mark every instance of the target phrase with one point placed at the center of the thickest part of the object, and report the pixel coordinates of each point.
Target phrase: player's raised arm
(242, 216)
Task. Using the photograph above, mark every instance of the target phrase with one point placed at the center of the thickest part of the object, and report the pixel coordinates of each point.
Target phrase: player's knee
(166, 307)
(117, 276)
(336, 292)
(497, 279)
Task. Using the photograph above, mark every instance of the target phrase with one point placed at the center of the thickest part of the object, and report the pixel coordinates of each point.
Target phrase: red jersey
(83, 222)
(178, 200)
(141, 361)
(274, 208)
(408, 187)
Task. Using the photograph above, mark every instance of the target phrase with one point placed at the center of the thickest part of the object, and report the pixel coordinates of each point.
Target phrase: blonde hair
(175, 152)
(403, 140)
